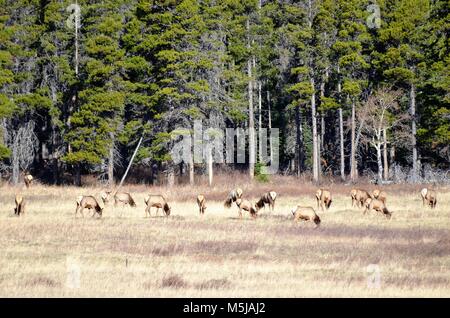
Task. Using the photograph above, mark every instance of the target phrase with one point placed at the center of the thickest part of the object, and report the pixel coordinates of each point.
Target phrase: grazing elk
(20, 205)
(233, 196)
(380, 195)
(305, 213)
(201, 201)
(428, 197)
(156, 201)
(125, 198)
(376, 205)
(266, 198)
(89, 202)
(323, 198)
(361, 197)
(28, 178)
(246, 206)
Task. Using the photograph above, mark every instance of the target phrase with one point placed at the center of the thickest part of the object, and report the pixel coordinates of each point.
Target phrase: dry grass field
(50, 253)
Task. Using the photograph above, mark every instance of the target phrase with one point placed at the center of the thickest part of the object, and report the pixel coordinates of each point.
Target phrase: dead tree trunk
(341, 131)
(111, 162)
(314, 133)
(412, 96)
(260, 145)
(299, 141)
(210, 166)
(129, 164)
(251, 123)
(270, 127)
(385, 155)
(191, 171)
(353, 144)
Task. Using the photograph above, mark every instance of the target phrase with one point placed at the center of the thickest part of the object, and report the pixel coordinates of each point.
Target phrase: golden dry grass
(218, 255)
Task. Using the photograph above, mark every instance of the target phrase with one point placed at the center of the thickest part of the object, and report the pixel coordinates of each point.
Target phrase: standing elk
(380, 195)
(125, 198)
(353, 194)
(20, 205)
(305, 213)
(428, 197)
(156, 201)
(376, 205)
(28, 178)
(89, 202)
(246, 206)
(233, 196)
(266, 198)
(323, 198)
(201, 201)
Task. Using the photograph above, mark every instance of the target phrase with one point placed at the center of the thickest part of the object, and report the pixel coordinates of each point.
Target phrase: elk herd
(375, 201)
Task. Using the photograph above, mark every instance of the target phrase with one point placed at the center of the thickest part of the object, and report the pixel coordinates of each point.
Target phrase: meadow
(50, 253)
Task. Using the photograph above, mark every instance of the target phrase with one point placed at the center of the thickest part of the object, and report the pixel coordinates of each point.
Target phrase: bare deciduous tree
(378, 114)
(23, 144)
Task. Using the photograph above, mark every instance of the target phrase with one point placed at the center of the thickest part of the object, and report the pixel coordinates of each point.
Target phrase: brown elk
(361, 197)
(305, 213)
(20, 205)
(267, 198)
(125, 198)
(201, 201)
(246, 206)
(156, 201)
(323, 198)
(233, 196)
(380, 195)
(28, 178)
(89, 202)
(376, 205)
(353, 194)
(428, 197)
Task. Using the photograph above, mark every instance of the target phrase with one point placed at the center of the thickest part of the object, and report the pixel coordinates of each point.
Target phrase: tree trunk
(251, 123)
(299, 141)
(392, 155)
(191, 171)
(385, 155)
(15, 166)
(379, 162)
(260, 141)
(353, 175)
(111, 162)
(210, 166)
(270, 127)
(322, 131)
(314, 133)
(412, 96)
(170, 175)
(341, 131)
(78, 175)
